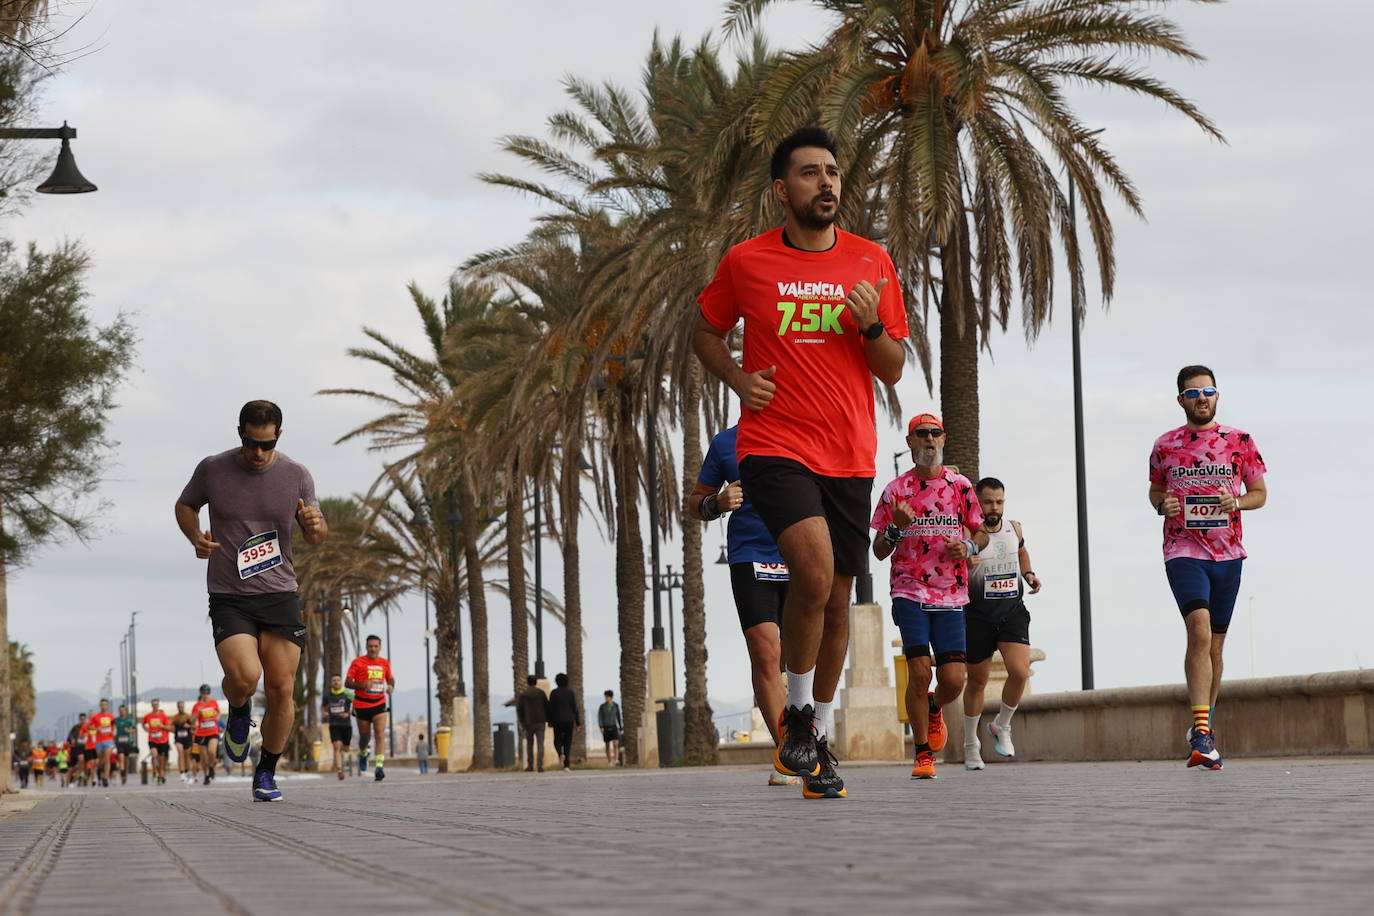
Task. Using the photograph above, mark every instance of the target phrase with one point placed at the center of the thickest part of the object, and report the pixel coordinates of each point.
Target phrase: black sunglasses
(927, 433)
(1193, 393)
(257, 445)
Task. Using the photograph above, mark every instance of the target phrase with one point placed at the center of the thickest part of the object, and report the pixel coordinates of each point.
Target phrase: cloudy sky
(272, 176)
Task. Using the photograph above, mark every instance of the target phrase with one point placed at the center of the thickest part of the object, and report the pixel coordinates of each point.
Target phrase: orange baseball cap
(924, 418)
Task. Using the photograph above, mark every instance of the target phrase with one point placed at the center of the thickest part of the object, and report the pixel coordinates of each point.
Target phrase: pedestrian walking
(422, 753)
(564, 718)
(608, 717)
(532, 712)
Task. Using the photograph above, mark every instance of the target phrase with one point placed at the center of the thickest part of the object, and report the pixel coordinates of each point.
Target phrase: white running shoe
(973, 757)
(778, 779)
(1003, 735)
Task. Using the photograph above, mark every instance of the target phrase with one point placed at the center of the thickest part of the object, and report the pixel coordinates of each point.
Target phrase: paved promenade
(1261, 836)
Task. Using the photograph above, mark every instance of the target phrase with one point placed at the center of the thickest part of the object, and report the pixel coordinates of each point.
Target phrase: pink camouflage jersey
(1194, 464)
(922, 569)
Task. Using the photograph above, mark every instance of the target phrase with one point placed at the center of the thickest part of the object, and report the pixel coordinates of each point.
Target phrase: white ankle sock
(1004, 715)
(799, 688)
(825, 719)
(971, 729)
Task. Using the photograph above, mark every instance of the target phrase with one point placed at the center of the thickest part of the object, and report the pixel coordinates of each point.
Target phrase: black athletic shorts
(158, 747)
(368, 713)
(982, 634)
(757, 600)
(90, 753)
(184, 742)
(127, 749)
(277, 612)
(786, 492)
(610, 733)
(342, 733)
(204, 740)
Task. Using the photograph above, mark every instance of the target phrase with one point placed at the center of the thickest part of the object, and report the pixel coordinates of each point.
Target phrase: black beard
(1197, 420)
(992, 521)
(811, 219)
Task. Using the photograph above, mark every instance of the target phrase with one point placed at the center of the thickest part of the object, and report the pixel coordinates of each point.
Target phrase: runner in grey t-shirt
(255, 494)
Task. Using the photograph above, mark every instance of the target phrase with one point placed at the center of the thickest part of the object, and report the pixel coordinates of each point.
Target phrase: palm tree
(947, 106)
(23, 699)
(422, 420)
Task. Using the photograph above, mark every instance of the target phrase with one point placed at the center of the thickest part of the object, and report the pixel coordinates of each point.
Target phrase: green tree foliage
(23, 698)
(58, 373)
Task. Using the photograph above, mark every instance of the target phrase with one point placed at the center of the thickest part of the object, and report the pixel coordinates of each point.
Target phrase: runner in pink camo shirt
(923, 521)
(1196, 476)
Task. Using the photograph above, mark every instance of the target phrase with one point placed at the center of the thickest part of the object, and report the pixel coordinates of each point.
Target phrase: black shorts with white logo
(786, 492)
(757, 600)
(982, 633)
(278, 613)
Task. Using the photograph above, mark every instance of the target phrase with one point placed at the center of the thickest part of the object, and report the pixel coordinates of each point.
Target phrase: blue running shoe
(1202, 750)
(265, 787)
(236, 736)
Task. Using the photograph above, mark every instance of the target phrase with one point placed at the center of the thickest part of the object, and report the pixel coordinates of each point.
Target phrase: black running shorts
(368, 713)
(757, 600)
(158, 747)
(277, 612)
(982, 634)
(341, 733)
(786, 492)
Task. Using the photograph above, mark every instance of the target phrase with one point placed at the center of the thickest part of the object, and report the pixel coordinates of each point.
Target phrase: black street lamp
(66, 178)
(667, 583)
(429, 692)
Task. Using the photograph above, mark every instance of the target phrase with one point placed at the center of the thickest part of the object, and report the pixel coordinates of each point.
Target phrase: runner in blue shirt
(758, 576)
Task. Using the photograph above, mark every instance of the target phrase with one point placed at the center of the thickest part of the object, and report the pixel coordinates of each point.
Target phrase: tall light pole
(538, 586)
(133, 664)
(429, 692)
(1085, 601)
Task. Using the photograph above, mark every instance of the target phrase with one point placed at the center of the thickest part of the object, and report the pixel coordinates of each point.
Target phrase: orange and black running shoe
(796, 753)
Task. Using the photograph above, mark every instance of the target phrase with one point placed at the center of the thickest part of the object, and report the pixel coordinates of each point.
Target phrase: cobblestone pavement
(1153, 837)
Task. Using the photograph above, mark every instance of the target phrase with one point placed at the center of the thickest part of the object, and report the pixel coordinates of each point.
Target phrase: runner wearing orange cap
(929, 521)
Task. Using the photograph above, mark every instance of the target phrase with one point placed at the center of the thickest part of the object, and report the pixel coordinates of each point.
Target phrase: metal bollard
(143, 772)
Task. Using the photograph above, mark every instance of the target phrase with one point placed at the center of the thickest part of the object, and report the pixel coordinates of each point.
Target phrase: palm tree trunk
(959, 363)
(699, 731)
(570, 500)
(333, 639)
(629, 577)
(445, 637)
(482, 756)
(6, 750)
(515, 579)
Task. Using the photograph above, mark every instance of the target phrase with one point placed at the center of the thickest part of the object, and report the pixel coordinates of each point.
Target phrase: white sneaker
(1003, 735)
(778, 779)
(973, 757)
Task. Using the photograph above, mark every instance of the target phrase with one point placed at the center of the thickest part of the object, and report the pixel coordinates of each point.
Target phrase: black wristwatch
(874, 330)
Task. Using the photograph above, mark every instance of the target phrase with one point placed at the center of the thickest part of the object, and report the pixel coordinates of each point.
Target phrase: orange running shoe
(925, 765)
(936, 731)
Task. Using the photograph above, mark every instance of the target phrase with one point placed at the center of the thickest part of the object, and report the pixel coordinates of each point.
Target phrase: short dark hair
(803, 136)
(370, 637)
(1188, 372)
(260, 413)
(988, 483)
(531, 680)
(610, 693)
(561, 680)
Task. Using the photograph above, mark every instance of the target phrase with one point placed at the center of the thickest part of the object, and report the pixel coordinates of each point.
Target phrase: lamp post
(538, 586)
(66, 178)
(133, 664)
(429, 692)
(670, 581)
(1085, 603)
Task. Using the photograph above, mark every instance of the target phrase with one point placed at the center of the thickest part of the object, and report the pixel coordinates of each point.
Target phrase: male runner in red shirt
(370, 678)
(157, 725)
(102, 725)
(205, 714)
(822, 315)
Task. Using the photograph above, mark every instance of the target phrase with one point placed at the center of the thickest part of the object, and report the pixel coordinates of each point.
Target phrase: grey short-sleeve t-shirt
(251, 516)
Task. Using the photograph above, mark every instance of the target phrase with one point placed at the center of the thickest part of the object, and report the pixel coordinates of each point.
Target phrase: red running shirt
(206, 716)
(792, 304)
(157, 724)
(88, 740)
(102, 723)
(373, 671)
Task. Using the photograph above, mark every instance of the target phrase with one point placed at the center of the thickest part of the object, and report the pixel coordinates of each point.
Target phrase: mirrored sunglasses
(1193, 393)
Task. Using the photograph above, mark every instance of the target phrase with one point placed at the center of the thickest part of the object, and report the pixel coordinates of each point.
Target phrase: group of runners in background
(822, 313)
